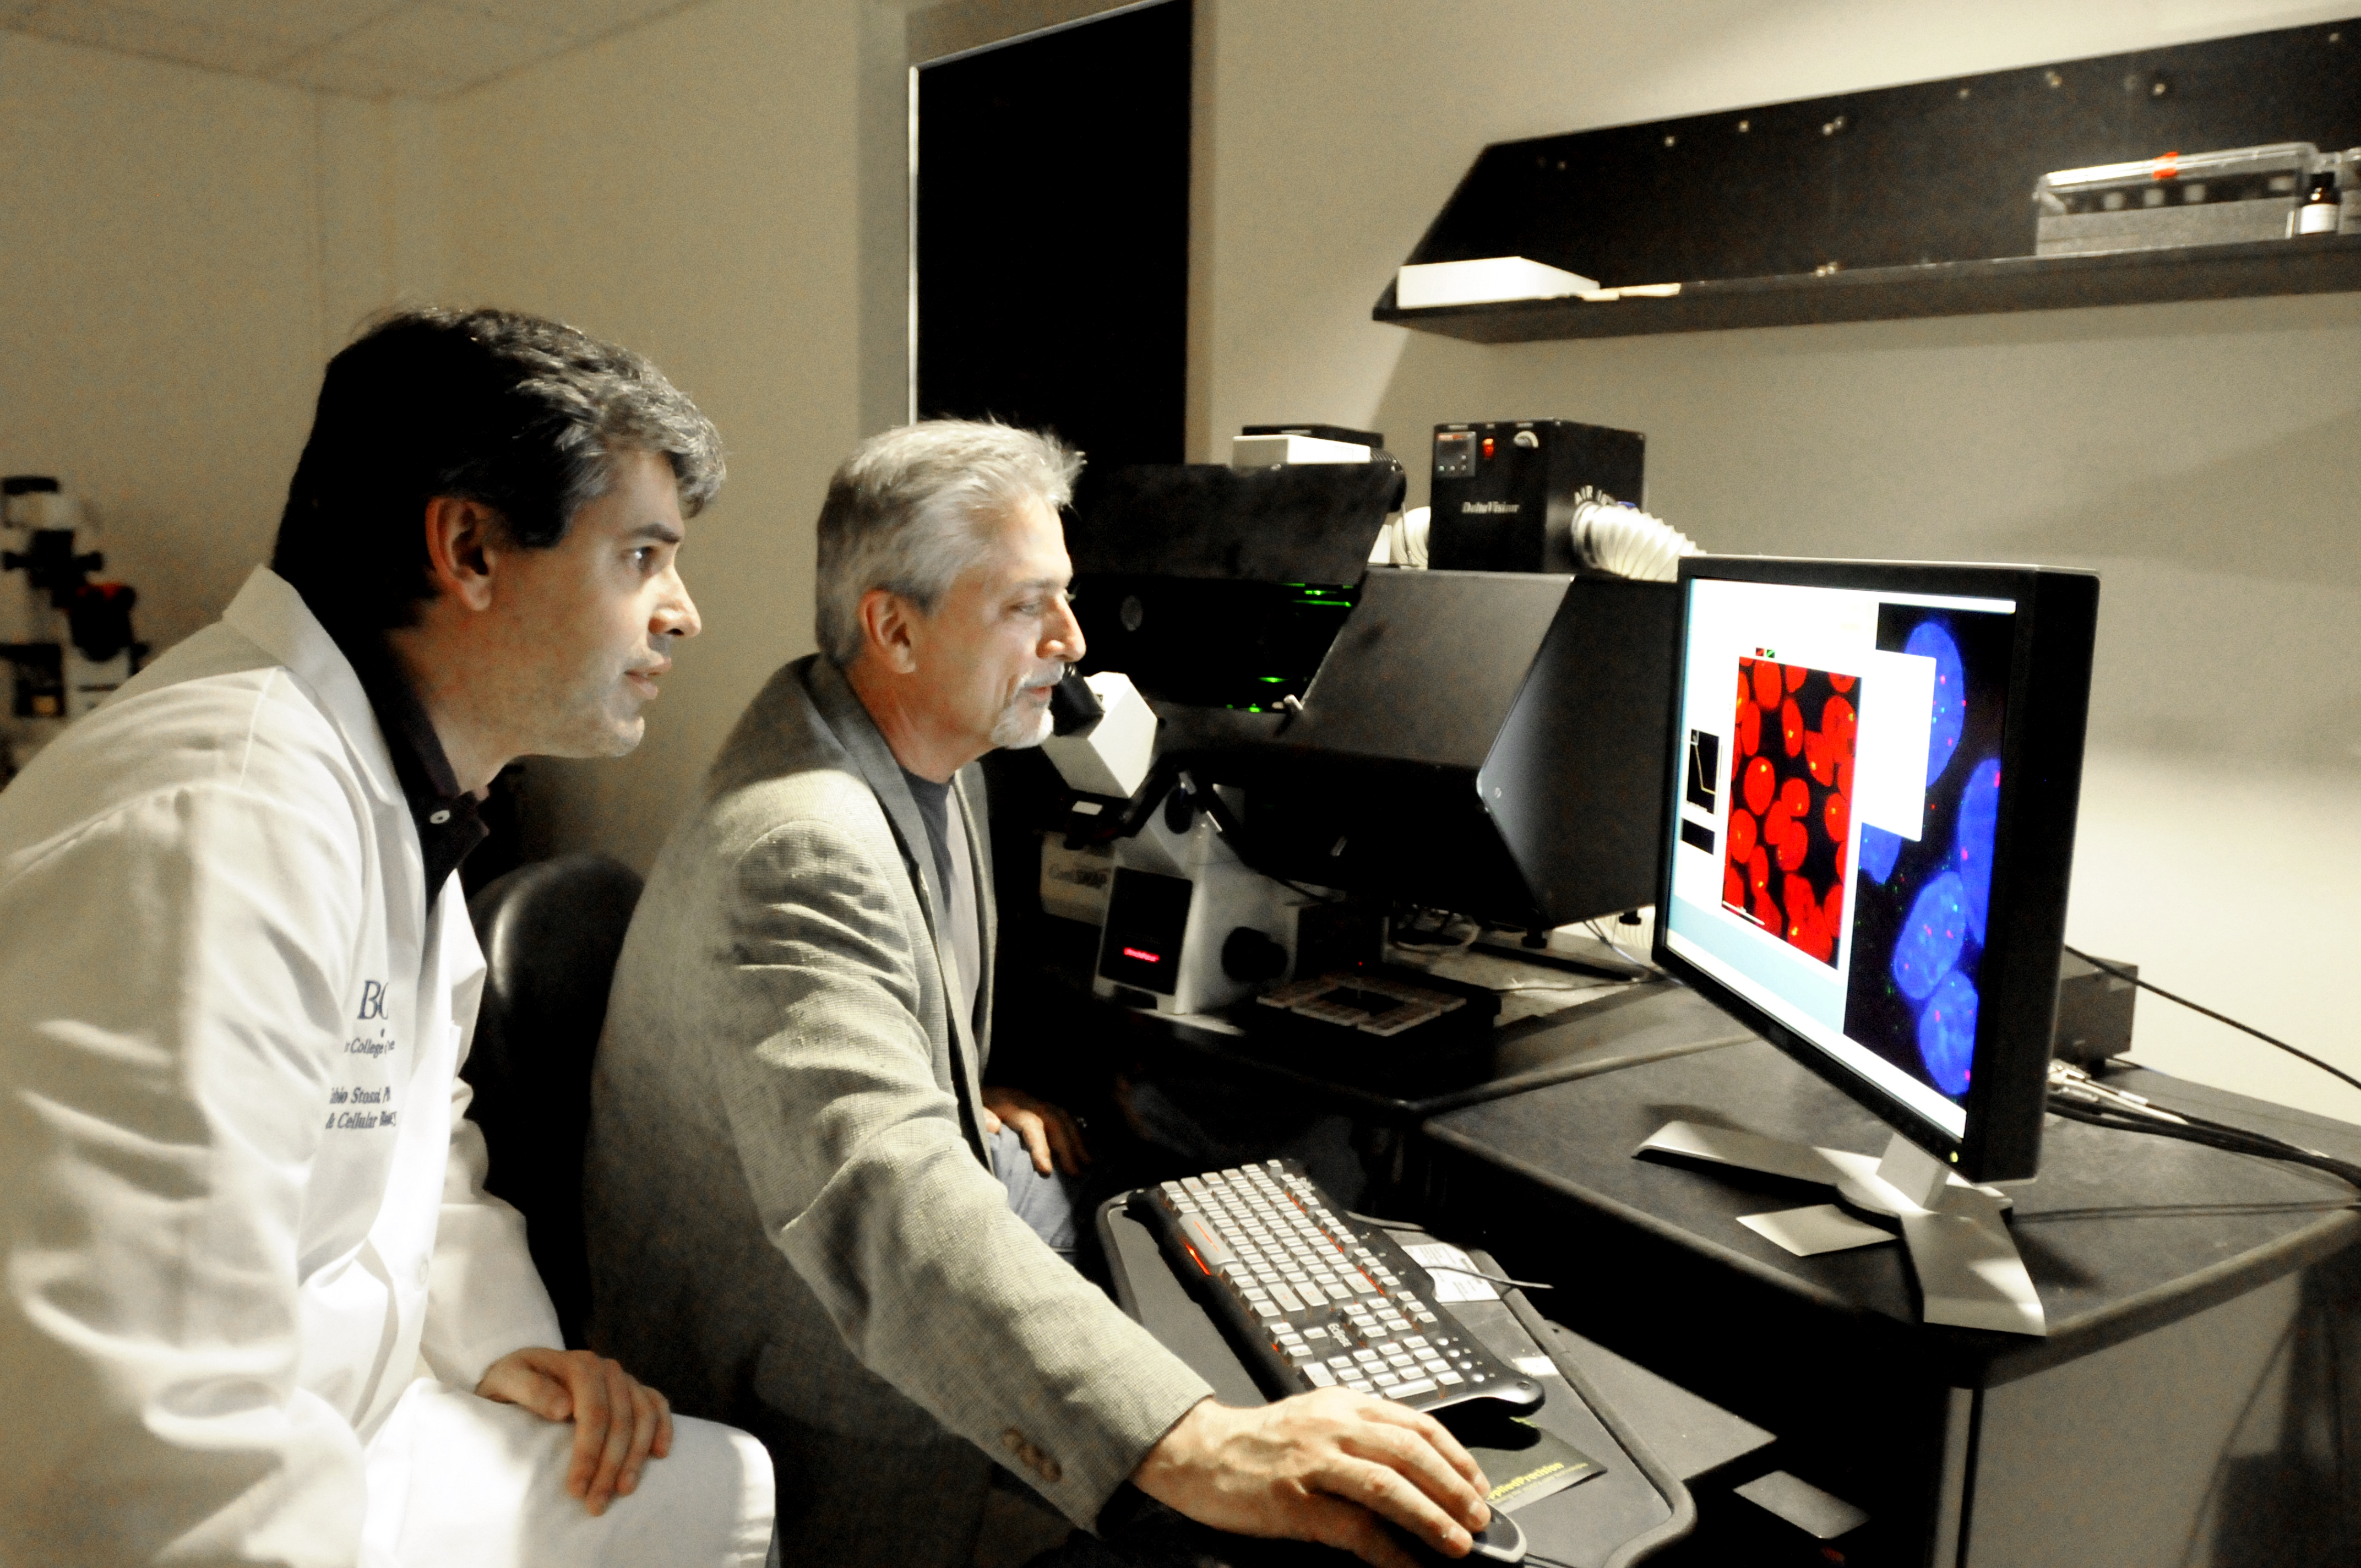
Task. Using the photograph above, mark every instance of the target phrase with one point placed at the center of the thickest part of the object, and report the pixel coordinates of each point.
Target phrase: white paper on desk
(1823, 1227)
(1456, 1278)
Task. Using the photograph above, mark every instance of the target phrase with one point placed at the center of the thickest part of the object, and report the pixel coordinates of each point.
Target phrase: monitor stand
(1968, 1271)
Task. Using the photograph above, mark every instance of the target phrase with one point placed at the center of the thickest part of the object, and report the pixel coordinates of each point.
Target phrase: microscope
(68, 638)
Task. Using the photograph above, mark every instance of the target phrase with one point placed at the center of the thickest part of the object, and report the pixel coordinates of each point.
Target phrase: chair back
(550, 932)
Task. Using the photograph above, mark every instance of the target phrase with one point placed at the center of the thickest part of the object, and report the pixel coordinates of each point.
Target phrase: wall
(181, 250)
(2200, 457)
(691, 189)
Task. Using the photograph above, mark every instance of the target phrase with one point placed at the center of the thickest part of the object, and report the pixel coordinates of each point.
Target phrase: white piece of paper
(1455, 1275)
(1823, 1227)
(1537, 1366)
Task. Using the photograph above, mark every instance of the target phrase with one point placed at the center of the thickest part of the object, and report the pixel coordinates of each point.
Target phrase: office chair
(550, 932)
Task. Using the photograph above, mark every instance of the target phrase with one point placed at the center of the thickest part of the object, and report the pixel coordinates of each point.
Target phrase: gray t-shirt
(947, 839)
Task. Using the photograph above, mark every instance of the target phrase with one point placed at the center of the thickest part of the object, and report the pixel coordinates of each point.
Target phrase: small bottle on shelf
(2318, 212)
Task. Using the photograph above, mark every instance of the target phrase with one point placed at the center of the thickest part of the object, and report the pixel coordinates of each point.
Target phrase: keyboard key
(1319, 1376)
(1367, 1357)
(1265, 1308)
(1448, 1378)
(1413, 1387)
(1357, 1386)
(1342, 1363)
(1387, 1379)
(1399, 1360)
(1287, 1298)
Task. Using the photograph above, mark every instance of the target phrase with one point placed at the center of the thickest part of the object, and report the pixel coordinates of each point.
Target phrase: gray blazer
(786, 1187)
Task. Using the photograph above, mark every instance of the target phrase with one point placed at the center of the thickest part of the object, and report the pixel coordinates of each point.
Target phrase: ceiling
(369, 49)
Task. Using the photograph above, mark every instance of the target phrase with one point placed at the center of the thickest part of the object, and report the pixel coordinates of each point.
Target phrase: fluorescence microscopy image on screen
(1790, 801)
(1919, 908)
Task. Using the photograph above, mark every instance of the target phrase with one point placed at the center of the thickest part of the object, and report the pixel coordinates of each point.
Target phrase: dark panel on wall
(1933, 173)
(1053, 235)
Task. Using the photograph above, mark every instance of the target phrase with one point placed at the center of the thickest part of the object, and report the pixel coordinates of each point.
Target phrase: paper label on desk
(1454, 1272)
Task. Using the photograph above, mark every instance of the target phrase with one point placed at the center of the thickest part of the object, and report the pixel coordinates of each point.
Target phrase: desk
(2185, 1408)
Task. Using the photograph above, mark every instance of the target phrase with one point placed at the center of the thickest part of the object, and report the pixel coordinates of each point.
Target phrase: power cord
(2105, 968)
(2077, 1096)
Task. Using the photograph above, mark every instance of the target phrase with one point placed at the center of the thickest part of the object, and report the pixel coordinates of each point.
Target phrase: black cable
(2106, 968)
(2214, 1135)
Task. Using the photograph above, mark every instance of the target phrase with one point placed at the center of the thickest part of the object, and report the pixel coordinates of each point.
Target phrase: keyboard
(1308, 1299)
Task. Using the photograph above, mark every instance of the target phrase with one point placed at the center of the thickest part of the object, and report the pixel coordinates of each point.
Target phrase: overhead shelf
(2321, 265)
(1893, 203)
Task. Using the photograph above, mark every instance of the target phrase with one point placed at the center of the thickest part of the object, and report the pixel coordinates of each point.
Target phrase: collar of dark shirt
(446, 817)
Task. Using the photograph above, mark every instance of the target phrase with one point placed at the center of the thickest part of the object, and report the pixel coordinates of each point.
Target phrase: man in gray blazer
(795, 1221)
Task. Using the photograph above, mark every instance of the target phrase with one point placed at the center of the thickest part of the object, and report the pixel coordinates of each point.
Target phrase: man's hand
(617, 1421)
(1321, 1466)
(1052, 1137)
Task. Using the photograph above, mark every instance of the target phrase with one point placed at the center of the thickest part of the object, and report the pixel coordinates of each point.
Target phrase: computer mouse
(1499, 1541)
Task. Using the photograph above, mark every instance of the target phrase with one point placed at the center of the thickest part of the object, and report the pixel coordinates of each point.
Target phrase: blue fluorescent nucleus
(1971, 846)
(1879, 849)
(1931, 938)
(1930, 640)
(1947, 1034)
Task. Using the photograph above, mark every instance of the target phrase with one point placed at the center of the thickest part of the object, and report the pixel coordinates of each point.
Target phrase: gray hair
(908, 512)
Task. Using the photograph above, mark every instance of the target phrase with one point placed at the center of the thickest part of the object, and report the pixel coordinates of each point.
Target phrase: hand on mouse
(1324, 1467)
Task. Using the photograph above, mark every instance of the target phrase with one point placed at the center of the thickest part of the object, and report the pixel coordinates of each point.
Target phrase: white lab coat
(241, 1212)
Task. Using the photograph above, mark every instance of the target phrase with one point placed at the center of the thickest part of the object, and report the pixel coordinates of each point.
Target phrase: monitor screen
(1859, 748)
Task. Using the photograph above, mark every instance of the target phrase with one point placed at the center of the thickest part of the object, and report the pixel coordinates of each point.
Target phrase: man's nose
(1065, 641)
(676, 613)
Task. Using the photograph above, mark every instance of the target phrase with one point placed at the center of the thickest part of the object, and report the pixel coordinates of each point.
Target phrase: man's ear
(889, 630)
(462, 538)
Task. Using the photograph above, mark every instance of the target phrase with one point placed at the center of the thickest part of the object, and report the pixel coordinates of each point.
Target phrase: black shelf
(2322, 264)
(1893, 202)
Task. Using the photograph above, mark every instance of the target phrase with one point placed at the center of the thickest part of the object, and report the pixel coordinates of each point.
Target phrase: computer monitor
(1869, 824)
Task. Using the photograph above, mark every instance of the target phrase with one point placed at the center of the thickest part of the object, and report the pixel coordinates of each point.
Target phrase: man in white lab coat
(255, 1305)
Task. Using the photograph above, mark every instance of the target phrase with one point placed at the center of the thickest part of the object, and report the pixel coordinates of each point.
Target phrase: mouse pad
(1525, 1463)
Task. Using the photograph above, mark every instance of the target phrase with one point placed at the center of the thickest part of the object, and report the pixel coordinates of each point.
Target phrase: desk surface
(2121, 1233)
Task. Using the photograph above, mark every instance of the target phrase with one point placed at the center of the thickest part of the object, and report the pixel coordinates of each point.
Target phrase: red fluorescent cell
(1767, 684)
(1837, 814)
(1791, 726)
(1742, 827)
(1143, 955)
(1795, 673)
(1733, 887)
(1837, 718)
(1820, 758)
(1796, 796)
(1842, 683)
(1761, 783)
(1750, 727)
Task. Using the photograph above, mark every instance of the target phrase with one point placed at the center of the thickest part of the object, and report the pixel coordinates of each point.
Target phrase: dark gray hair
(910, 509)
(526, 415)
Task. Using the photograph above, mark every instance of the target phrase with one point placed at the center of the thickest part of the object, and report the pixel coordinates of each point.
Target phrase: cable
(1641, 964)
(2106, 968)
(2214, 1135)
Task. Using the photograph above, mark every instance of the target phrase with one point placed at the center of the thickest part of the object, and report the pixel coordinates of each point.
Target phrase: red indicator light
(1488, 446)
(1196, 1260)
(1143, 955)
